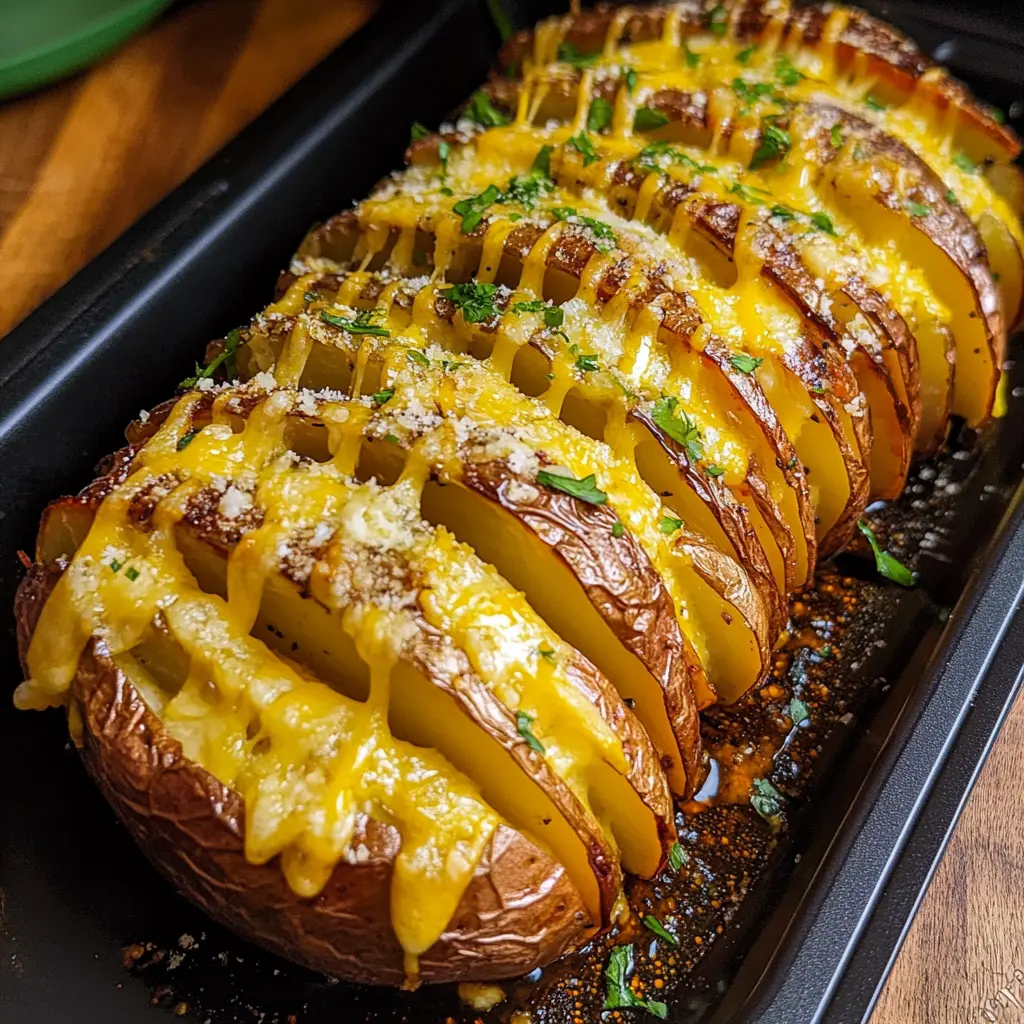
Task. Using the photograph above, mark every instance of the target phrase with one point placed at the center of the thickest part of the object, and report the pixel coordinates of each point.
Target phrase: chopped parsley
(767, 801)
(526, 189)
(823, 222)
(678, 426)
(617, 529)
(692, 59)
(836, 137)
(798, 712)
(669, 525)
(751, 92)
(553, 315)
(414, 355)
(743, 57)
(619, 993)
(718, 20)
(630, 80)
(646, 119)
(568, 54)
(744, 363)
(873, 103)
(311, 296)
(524, 723)
(587, 363)
(600, 115)
(132, 573)
(783, 212)
(584, 145)
(541, 166)
(361, 324)
(749, 194)
(677, 857)
(547, 654)
(225, 358)
(918, 209)
(115, 565)
(965, 163)
(418, 131)
(185, 440)
(714, 471)
(653, 924)
(391, 439)
(785, 72)
(950, 196)
(656, 156)
(473, 208)
(474, 300)
(585, 489)
(484, 112)
(604, 236)
(443, 152)
(380, 397)
(775, 143)
(891, 568)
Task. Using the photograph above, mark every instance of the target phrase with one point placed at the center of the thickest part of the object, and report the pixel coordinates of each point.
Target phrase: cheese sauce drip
(309, 762)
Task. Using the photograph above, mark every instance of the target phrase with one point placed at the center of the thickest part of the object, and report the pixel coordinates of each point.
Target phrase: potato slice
(727, 623)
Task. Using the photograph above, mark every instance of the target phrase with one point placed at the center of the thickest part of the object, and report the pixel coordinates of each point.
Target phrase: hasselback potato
(388, 637)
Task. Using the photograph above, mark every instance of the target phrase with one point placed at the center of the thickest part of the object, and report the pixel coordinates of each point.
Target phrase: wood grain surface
(81, 161)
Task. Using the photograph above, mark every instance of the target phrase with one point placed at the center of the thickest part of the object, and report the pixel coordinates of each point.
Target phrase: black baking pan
(815, 936)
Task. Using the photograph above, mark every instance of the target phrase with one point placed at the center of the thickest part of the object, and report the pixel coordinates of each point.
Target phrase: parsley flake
(823, 222)
(600, 115)
(185, 440)
(547, 654)
(587, 363)
(630, 79)
(775, 143)
(918, 209)
(653, 924)
(361, 324)
(714, 471)
(678, 858)
(568, 54)
(584, 490)
(678, 426)
(584, 145)
(647, 119)
(473, 208)
(889, 567)
(619, 993)
(617, 529)
(873, 103)
(745, 363)
(115, 565)
(225, 358)
(414, 355)
(785, 72)
(132, 573)
(743, 57)
(484, 112)
(474, 300)
(418, 131)
(718, 20)
(692, 59)
(767, 801)
(604, 236)
(798, 713)
(524, 722)
(748, 193)
(836, 137)
(669, 525)
(382, 396)
(656, 156)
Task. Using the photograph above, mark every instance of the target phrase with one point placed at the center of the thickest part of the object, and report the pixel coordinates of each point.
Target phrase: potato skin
(520, 911)
(627, 591)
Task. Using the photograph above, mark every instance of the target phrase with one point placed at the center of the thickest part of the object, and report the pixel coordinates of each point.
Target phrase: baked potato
(387, 638)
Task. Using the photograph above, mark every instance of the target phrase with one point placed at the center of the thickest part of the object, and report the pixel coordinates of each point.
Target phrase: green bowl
(43, 40)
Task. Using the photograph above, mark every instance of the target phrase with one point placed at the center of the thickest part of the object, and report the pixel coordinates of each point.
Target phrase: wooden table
(81, 161)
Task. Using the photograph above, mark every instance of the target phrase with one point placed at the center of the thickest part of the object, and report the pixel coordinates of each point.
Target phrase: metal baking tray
(818, 931)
